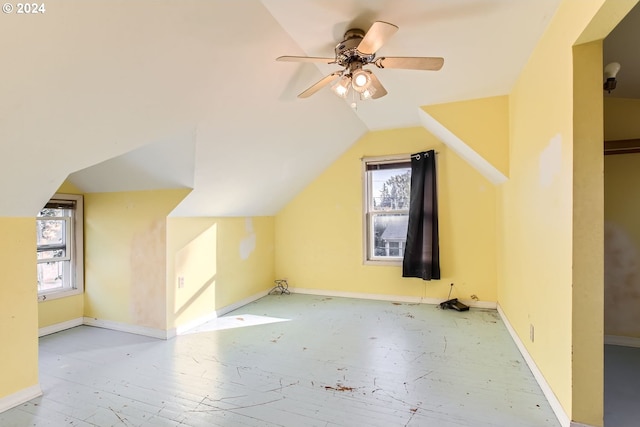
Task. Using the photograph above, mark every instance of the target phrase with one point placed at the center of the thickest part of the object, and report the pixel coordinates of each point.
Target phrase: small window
(387, 192)
(59, 247)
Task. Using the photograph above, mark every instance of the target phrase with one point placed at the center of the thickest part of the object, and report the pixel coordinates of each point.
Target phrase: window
(387, 192)
(59, 247)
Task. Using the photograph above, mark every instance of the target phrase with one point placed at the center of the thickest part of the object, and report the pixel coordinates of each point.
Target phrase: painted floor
(621, 386)
(293, 360)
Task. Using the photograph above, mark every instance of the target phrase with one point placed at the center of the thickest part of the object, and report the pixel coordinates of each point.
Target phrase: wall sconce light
(610, 73)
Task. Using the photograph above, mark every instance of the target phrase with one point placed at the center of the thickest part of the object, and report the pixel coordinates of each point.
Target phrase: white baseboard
(224, 310)
(20, 397)
(557, 408)
(52, 329)
(146, 331)
(125, 327)
(179, 330)
(396, 298)
(622, 341)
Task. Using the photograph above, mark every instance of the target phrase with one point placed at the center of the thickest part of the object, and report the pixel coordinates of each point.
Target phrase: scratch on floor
(122, 420)
(283, 386)
(217, 409)
(339, 387)
(422, 376)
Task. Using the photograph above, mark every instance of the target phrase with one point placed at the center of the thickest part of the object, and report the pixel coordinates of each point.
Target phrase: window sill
(48, 296)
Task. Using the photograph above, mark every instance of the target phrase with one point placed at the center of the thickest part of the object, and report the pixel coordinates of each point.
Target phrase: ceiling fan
(357, 50)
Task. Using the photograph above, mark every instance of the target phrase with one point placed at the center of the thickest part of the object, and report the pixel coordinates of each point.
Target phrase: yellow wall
(125, 256)
(541, 205)
(621, 118)
(319, 233)
(483, 124)
(18, 305)
(535, 285)
(588, 235)
(54, 311)
(622, 226)
(64, 309)
(622, 245)
(220, 260)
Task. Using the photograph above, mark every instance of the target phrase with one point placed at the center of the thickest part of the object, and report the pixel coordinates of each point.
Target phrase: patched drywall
(125, 256)
(148, 290)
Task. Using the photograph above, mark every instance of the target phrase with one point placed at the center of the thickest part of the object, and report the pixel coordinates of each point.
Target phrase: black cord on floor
(281, 287)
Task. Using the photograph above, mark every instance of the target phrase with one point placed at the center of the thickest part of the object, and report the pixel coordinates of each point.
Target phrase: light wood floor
(314, 361)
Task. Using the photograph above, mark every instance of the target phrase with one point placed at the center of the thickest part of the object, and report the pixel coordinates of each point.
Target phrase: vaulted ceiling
(123, 95)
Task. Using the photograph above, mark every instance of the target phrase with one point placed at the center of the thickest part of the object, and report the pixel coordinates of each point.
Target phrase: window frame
(368, 213)
(74, 234)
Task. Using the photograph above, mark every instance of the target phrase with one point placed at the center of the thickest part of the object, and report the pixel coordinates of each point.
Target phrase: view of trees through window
(391, 189)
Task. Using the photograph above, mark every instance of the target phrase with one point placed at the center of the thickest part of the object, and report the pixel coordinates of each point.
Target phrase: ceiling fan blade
(380, 90)
(306, 59)
(319, 85)
(410, 63)
(377, 35)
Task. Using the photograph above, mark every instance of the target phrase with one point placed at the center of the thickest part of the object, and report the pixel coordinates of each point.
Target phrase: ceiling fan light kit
(342, 87)
(357, 50)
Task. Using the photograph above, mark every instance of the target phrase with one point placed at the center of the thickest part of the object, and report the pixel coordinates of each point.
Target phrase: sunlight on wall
(195, 272)
(214, 263)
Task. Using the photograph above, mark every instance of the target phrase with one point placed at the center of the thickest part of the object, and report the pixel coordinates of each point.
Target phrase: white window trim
(77, 252)
(366, 240)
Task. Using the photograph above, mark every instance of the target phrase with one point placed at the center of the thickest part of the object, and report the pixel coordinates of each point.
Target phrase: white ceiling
(135, 95)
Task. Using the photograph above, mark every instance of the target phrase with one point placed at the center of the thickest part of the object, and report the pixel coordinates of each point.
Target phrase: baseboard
(125, 327)
(20, 397)
(179, 330)
(395, 298)
(146, 331)
(52, 329)
(557, 408)
(229, 308)
(622, 341)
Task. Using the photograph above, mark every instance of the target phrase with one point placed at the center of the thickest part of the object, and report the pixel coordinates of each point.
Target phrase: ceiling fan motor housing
(347, 50)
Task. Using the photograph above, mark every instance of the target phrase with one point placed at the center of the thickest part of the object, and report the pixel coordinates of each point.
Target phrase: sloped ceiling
(620, 46)
(126, 95)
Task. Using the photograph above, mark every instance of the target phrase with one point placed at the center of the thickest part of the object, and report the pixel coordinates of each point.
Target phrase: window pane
(51, 232)
(390, 188)
(52, 275)
(389, 234)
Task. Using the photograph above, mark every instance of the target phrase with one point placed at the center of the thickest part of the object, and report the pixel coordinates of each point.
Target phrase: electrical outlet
(531, 332)
(180, 282)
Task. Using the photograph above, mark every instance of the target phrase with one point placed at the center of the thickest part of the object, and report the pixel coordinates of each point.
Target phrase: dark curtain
(422, 254)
